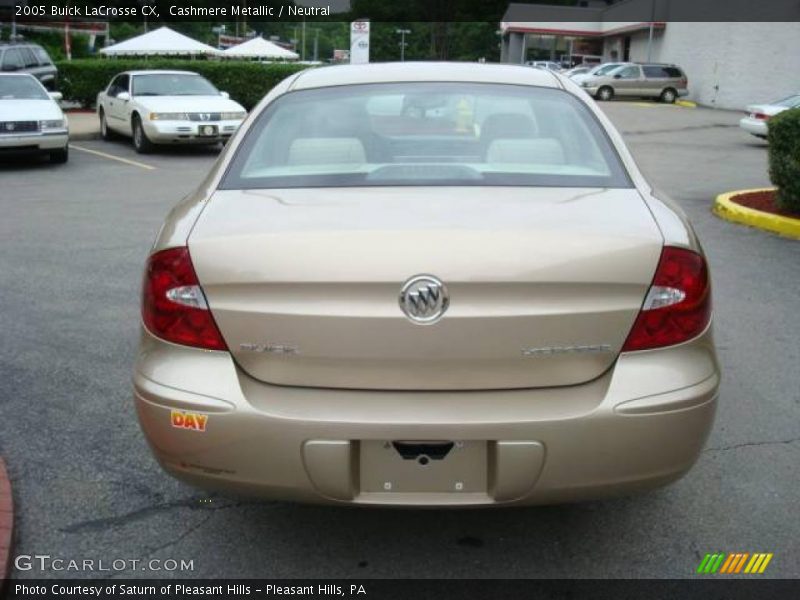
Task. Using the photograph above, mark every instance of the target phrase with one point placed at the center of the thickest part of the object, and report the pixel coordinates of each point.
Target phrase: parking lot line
(114, 157)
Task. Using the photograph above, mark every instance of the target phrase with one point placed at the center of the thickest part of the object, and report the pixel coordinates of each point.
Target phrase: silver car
(664, 82)
(758, 115)
(374, 300)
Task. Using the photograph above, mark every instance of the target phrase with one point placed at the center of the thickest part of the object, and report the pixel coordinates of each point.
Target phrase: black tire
(605, 93)
(105, 132)
(59, 157)
(668, 96)
(141, 143)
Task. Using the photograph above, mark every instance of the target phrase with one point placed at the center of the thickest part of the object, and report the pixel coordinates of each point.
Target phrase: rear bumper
(641, 425)
(754, 126)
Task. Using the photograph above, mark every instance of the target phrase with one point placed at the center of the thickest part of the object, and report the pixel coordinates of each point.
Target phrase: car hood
(188, 104)
(580, 78)
(29, 110)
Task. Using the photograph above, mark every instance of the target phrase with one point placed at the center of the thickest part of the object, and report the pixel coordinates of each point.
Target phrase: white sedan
(758, 114)
(31, 119)
(167, 107)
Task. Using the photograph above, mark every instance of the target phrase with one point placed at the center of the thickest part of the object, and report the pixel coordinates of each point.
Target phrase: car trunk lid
(544, 283)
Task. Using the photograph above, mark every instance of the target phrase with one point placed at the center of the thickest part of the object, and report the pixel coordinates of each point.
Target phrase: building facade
(729, 64)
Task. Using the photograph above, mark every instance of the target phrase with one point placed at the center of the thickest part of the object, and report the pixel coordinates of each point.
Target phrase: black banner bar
(421, 589)
(310, 11)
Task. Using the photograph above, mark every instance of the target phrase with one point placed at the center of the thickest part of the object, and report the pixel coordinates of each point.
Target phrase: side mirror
(56, 96)
(617, 76)
(124, 96)
(225, 94)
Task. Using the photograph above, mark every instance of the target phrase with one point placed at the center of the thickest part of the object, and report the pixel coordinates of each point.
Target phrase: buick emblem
(205, 116)
(424, 299)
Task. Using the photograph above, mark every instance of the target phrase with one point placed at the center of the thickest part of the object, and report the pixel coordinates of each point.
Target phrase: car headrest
(326, 151)
(507, 125)
(542, 151)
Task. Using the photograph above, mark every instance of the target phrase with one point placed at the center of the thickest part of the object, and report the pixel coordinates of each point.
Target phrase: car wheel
(59, 157)
(668, 96)
(105, 132)
(605, 93)
(141, 144)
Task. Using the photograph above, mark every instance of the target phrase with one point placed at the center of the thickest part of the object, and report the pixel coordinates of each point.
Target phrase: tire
(141, 143)
(605, 93)
(105, 132)
(59, 157)
(668, 96)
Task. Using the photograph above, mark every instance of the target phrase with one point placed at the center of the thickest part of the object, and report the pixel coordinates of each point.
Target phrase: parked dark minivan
(24, 57)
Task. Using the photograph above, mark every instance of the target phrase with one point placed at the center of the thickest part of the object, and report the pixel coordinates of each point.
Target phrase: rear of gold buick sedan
(426, 285)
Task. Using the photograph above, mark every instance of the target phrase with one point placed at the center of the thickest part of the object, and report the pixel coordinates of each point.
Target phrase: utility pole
(303, 54)
(650, 35)
(403, 33)
(316, 44)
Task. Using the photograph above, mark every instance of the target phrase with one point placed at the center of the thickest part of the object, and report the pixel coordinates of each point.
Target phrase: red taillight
(678, 304)
(761, 116)
(173, 305)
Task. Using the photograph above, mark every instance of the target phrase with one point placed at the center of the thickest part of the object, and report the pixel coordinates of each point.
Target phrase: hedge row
(246, 82)
(783, 134)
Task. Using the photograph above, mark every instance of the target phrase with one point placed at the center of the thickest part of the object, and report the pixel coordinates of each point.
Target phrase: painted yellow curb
(727, 209)
(686, 103)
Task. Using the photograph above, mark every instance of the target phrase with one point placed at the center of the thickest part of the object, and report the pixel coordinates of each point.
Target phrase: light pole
(403, 33)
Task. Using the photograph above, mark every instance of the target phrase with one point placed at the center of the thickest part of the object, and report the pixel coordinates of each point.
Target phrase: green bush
(246, 82)
(783, 135)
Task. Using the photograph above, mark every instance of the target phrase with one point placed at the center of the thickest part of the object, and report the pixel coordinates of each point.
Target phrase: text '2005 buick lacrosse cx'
(426, 285)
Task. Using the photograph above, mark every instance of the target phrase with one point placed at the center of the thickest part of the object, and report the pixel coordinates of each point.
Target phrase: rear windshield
(425, 134)
(789, 102)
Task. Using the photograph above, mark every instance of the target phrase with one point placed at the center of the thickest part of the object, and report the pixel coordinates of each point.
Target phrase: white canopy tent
(160, 42)
(258, 47)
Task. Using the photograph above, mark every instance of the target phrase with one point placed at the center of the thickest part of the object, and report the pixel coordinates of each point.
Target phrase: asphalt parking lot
(73, 240)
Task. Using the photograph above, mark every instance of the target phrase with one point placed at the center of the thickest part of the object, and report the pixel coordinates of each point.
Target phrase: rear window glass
(41, 55)
(662, 72)
(789, 102)
(425, 134)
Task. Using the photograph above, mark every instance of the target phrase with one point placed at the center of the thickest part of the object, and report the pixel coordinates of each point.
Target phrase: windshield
(789, 102)
(605, 69)
(172, 84)
(21, 88)
(425, 134)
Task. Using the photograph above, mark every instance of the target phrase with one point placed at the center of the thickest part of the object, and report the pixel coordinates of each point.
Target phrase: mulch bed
(763, 201)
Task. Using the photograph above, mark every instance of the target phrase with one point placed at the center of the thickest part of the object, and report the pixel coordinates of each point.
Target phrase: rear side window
(41, 55)
(448, 134)
(29, 57)
(658, 72)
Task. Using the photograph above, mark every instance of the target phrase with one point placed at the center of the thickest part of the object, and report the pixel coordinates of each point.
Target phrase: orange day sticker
(189, 420)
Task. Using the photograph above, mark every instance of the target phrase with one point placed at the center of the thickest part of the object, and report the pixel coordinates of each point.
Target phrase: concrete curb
(726, 208)
(83, 125)
(84, 136)
(6, 523)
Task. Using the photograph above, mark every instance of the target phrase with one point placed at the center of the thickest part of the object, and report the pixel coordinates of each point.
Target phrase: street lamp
(403, 33)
